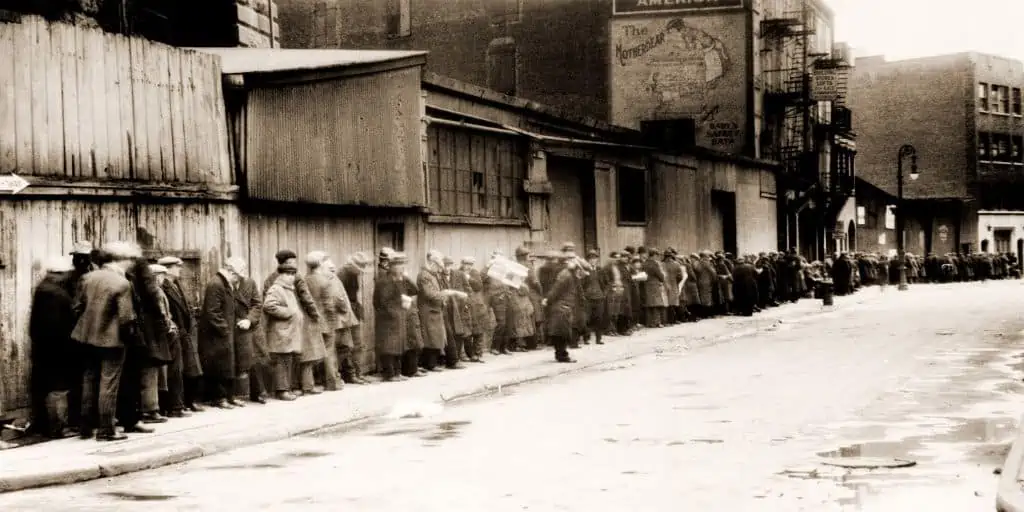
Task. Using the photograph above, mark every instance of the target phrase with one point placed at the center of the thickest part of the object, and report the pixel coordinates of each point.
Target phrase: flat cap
(568, 247)
(123, 250)
(593, 254)
(630, 249)
(469, 260)
(315, 258)
(447, 260)
(158, 269)
(82, 247)
(522, 251)
(360, 259)
(169, 261)
(398, 258)
(614, 254)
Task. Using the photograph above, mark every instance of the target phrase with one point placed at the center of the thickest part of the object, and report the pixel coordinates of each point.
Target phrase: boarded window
(632, 195)
(391, 234)
(475, 174)
(502, 66)
(768, 184)
(399, 18)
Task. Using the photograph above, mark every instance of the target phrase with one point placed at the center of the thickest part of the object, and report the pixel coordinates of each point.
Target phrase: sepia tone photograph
(511, 255)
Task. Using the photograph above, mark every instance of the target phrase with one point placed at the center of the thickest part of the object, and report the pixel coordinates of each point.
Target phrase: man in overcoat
(350, 274)
(615, 294)
(655, 298)
(596, 287)
(185, 373)
(431, 304)
(498, 296)
(673, 276)
(390, 305)
(251, 356)
(326, 291)
(53, 353)
(561, 303)
(216, 335)
(458, 320)
(744, 285)
(521, 324)
(106, 327)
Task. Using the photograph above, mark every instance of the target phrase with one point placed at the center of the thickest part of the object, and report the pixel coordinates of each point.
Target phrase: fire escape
(797, 131)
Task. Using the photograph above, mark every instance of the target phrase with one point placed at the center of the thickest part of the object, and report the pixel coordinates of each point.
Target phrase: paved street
(931, 375)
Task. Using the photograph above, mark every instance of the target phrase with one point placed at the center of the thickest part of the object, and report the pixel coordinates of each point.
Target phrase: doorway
(851, 237)
(724, 203)
(391, 234)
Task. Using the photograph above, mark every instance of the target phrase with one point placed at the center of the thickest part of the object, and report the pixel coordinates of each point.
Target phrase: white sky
(902, 29)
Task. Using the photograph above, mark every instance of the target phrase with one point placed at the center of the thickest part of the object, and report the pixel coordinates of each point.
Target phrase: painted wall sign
(828, 84)
(664, 6)
(675, 68)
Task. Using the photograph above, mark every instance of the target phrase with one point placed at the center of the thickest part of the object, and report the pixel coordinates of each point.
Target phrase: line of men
(451, 313)
(116, 341)
(850, 270)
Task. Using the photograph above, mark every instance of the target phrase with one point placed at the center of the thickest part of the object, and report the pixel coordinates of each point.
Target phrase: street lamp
(905, 151)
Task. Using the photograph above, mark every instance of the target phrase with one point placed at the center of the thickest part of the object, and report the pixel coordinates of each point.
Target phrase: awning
(509, 130)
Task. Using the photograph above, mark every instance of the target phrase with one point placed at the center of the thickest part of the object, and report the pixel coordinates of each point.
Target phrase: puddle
(707, 441)
(131, 496)
(676, 443)
(446, 430)
(993, 431)
(400, 431)
(259, 465)
(887, 449)
(308, 454)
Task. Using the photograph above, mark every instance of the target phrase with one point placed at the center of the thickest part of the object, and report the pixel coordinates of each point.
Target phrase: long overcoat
(413, 330)
(217, 329)
(49, 326)
(284, 318)
(431, 308)
(724, 280)
(707, 282)
(654, 287)
(563, 305)
(458, 318)
(181, 310)
(250, 344)
(520, 312)
(536, 292)
(673, 275)
(152, 318)
(498, 296)
(483, 317)
(390, 317)
(691, 290)
(616, 296)
(744, 285)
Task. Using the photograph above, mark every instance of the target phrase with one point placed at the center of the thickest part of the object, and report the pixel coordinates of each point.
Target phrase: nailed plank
(207, 133)
(55, 100)
(39, 58)
(163, 99)
(95, 40)
(152, 106)
(69, 98)
(177, 119)
(125, 99)
(225, 167)
(8, 140)
(140, 141)
(116, 155)
(23, 104)
(86, 141)
(188, 112)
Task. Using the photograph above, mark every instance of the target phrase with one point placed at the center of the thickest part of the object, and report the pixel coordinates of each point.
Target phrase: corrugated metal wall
(33, 230)
(354, 140)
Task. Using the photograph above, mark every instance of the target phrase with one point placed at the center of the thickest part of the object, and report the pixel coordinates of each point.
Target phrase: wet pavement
(813, 415)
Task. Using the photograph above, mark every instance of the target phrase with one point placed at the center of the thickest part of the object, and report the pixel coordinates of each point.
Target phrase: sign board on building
(828, 84)
(12, 184)
(943, 232)
(664, 6)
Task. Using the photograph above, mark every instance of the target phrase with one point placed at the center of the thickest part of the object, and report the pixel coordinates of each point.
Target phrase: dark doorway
(851, 237)
(1020, 253)
(589, 194)
(725, 204)
(391, 234)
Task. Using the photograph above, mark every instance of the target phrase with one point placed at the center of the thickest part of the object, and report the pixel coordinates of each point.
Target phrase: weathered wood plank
(39, 60)
(151, 105)
(8, 108)
(126, 100)
(23, 132)
(205, 135)
(55, 100)
(117, 160)
(69, 99)
(225, 172)
(86, 141)
(163, 102)
(177, 117)
(98, 94)
(140, 141)
(192, 171)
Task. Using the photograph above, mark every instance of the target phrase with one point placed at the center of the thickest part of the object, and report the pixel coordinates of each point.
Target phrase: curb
(1010, 491)
(68, 472)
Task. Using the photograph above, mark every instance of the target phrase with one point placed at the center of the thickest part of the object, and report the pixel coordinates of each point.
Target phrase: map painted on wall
(683, 67)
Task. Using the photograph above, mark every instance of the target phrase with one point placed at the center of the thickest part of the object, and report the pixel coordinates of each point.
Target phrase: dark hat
(284, 255)
(630, 249)
(568, 247)
(614, 254)
(522, 252)
(642, 250)
(398, 258)
(671, 251)
(287, 268)
(635, 259)
(593, 254)
(82, 247)
(447, 260)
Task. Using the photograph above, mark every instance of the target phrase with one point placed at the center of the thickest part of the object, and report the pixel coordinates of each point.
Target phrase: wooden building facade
(120, 139)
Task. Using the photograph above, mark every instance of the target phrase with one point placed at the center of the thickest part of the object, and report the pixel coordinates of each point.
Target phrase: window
(503, 66)
(890, 216)
(632, 189)
(504, 12)
(1016, 101)
(983, 142)
(862, 215)
(1004, 99)
(983, 96)
(1015, 145)
(1002, 148)
(399, 18)
(475, 174)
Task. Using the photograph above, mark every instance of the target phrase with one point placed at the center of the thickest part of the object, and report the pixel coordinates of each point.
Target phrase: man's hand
(244, 324)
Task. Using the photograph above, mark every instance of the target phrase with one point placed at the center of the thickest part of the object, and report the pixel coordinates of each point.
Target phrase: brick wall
(924, 102)
(562, 45)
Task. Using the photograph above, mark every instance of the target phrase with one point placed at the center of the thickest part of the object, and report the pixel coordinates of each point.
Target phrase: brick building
(962, 112)
(730, 75)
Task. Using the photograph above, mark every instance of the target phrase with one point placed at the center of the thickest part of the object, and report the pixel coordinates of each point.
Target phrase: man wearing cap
(457, 317)
(350, 274)
(53, 353)
(184, 374)
(614, 293)
(327, 292)
(390, 304)
(106, 327)
(655, 298)
(498, 297)
(252, 359)
(431, 305)
(216, 334)
(561, 304)
(483, 317)
(521, 325)
(596, 286)
(673, 278)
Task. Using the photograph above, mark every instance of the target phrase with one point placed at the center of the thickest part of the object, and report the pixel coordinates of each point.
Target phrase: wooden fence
(80, 104)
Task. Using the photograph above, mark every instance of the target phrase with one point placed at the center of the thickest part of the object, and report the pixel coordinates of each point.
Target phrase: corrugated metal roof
(270, 60)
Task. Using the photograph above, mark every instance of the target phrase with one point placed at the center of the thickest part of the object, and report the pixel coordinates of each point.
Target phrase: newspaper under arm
(508, 272)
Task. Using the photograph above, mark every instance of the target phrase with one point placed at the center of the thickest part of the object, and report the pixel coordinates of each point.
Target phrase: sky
(902, 29)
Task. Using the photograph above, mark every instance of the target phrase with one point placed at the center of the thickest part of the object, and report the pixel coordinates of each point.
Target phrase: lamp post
(905, 151)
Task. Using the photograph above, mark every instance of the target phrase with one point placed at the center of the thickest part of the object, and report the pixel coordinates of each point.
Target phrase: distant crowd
(118, 345)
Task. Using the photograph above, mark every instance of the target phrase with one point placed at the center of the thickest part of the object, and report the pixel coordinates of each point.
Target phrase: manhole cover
(868, 463)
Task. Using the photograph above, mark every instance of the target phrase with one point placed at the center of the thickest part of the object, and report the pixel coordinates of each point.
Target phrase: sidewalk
(213, 431)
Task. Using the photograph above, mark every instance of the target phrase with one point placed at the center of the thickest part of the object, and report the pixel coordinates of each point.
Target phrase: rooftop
(274, 60)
